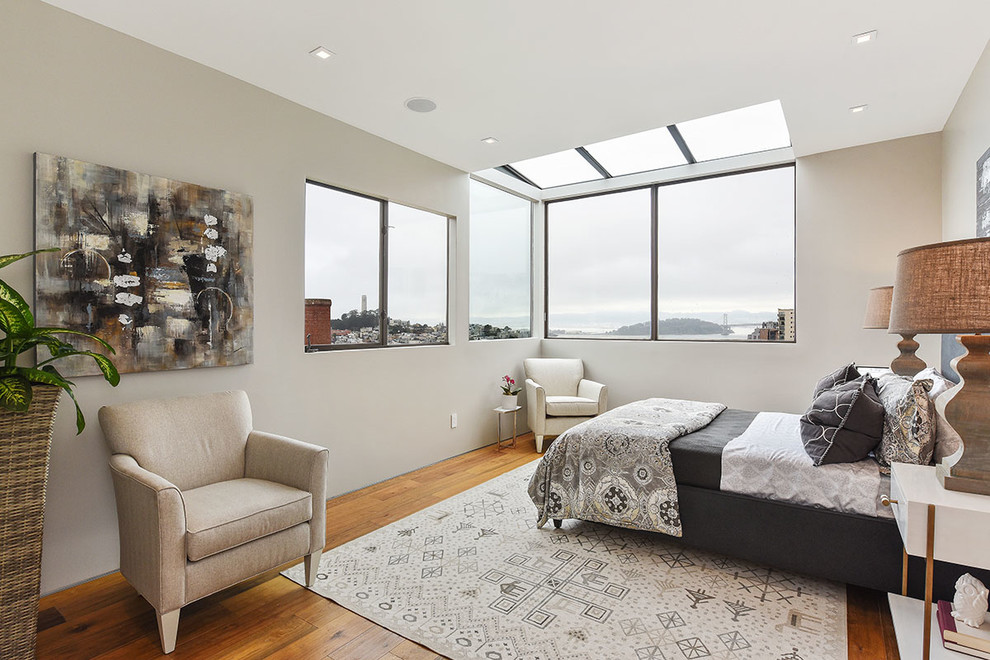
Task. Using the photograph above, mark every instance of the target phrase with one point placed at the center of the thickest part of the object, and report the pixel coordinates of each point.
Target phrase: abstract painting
(983, 194)
(160, 269)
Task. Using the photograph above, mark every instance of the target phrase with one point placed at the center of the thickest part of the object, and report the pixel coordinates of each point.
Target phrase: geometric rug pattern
(472, 577)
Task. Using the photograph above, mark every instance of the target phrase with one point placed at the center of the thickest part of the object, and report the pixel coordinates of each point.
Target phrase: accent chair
(558, 396)
(204, 501)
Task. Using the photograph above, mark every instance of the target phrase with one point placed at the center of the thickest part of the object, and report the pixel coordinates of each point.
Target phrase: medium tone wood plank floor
(272, 617)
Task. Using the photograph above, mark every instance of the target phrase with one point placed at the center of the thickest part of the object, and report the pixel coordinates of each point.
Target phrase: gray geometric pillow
(837, 377)
(908, 424)
(844, 424)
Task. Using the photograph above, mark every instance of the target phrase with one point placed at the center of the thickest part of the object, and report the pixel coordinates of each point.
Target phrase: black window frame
(654, 256)
(383, 317)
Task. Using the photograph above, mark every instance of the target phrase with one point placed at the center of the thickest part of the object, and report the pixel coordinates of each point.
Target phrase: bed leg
(557, 522)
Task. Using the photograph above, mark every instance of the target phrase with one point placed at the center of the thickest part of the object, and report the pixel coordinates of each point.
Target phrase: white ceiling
(547, 75)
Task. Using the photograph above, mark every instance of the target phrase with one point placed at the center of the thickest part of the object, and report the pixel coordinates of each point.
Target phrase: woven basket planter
(25, 441)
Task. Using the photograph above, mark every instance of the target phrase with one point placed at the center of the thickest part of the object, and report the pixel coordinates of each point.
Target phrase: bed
(859, 545)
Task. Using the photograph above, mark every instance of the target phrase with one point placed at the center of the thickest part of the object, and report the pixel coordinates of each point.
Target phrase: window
(349, 300)
(725, 250)
(598, 266)
(723, 258)
(500, 264)
(748, 130)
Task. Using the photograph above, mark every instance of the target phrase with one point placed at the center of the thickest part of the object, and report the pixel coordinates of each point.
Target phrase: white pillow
(940, 383)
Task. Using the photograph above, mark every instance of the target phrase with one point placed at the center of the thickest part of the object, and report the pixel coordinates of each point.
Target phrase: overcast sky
(725, 244)
(342, 256)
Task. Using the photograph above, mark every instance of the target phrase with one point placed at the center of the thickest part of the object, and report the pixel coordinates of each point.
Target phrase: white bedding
(769, 461)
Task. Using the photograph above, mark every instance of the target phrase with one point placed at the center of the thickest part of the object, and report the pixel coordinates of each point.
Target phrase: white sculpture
(970, 602)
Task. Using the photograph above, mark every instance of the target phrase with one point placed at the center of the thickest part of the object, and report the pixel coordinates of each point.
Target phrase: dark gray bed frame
(845, 547)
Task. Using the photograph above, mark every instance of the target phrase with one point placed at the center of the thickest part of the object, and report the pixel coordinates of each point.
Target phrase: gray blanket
(616, 468)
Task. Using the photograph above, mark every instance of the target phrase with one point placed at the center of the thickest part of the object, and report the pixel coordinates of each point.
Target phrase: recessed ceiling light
(865, 37)
(858, 108)
(490, 140)
(420, 104)
(321, 53)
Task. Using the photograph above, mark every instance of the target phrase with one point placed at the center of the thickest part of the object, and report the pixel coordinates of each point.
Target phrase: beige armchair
(558, 396)
(204, 501)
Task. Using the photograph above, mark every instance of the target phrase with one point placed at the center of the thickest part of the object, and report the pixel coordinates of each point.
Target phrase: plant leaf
(15, 393)
(105, 364)
(8, 293)
(66, 331)
(45, 377)
(80, 419)
(12, 321)
(8, 259)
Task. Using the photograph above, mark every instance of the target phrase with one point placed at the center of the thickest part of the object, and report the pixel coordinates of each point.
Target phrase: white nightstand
(934, 523)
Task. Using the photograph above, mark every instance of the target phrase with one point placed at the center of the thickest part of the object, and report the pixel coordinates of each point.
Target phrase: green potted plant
(28, 401)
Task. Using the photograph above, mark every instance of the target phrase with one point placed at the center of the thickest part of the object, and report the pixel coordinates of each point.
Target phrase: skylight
(649, 150)
(744, 131)
(557, 169)
(735, 133)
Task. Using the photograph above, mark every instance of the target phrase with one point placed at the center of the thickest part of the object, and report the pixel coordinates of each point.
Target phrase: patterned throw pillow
(844, 424)
(837, 377)
(909, 422)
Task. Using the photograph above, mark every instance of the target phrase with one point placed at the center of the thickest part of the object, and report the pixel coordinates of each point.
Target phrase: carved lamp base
(907, 363)
(968, 411)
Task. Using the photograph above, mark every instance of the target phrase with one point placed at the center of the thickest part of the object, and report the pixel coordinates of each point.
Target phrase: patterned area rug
(472, 577)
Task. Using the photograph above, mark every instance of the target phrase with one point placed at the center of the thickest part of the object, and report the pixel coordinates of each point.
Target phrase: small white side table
(934, 523)
(510, 442)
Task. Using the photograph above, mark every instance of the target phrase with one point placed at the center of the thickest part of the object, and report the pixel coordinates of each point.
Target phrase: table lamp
(944, 288)
(878, 317)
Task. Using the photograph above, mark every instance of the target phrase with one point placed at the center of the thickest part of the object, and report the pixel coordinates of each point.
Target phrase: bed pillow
(837, 377)
(844, 423)
(940, 384)
(909, 423)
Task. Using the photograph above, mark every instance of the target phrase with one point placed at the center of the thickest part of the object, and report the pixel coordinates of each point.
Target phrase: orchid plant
(509, 386)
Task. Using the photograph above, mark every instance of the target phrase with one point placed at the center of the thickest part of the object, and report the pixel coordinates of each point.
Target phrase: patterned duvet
(616, 468)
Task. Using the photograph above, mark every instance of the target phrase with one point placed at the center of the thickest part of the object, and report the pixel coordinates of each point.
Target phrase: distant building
(768, 331)
(785, 324)
(364, 303)
(318, 330)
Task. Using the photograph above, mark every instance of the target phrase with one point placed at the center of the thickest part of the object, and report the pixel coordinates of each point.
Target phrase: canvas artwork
(160, 269)
(983, 194)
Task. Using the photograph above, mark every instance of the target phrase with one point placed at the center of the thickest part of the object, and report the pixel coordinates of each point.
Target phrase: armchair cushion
(571, 406)
(558, 376)
(190, 441)
(230, 513)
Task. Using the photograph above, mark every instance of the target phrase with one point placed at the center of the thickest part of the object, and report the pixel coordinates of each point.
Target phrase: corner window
(500, 264)
(376, 272)
(708, 259)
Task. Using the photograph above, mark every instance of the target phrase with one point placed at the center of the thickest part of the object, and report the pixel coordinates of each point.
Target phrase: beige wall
(73, 88)
(965, 138)
(856, 208)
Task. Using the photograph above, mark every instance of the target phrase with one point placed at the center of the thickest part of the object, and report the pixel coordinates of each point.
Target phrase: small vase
(509, 401)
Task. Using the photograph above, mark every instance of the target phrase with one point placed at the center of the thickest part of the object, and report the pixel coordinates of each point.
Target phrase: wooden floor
(272, 617)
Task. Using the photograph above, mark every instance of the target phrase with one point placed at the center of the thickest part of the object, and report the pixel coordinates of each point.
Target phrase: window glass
(649, 150)
(598, 266)
(726, 257)
(744, 131)
(500, 264)
(342, 267)
(417, 276)
(557, 169)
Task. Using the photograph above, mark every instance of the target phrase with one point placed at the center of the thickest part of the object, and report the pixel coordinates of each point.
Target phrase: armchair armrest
(536, 407)
(152, 522)
(589, 389)
(292, 463)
